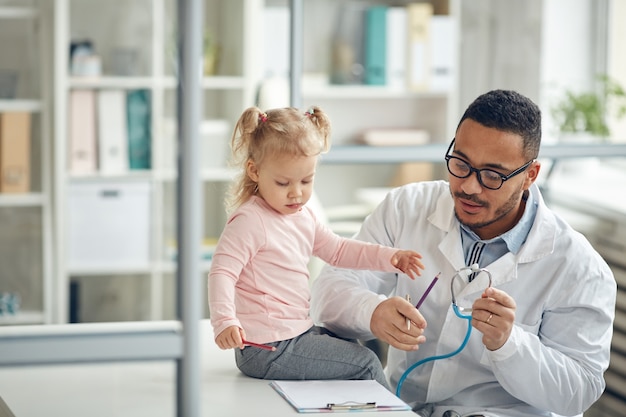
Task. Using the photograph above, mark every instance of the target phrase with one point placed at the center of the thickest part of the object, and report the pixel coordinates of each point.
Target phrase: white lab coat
(564, 291)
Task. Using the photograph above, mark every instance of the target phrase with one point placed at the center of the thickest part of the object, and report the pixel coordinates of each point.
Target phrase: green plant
(587, 112)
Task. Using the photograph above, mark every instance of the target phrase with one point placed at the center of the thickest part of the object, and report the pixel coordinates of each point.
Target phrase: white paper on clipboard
(336, 395)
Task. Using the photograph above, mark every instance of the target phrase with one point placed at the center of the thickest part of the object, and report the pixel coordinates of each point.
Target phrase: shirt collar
(514, 238)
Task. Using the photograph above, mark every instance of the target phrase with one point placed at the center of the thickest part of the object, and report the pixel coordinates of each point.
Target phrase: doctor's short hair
(508, 111)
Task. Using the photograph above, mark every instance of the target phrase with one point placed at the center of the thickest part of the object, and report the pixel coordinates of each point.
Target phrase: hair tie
(263, 117)
(309, 112)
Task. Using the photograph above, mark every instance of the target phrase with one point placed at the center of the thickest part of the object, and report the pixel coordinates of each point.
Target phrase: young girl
(258, 284)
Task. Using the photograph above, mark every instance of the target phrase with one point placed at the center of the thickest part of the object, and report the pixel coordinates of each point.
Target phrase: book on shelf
(112, 132)
(375, 45)
(82, 132)
(396, 48)
(442, 53)
(139, 132)
(419, 53)
(401, 47)
(15, 152)
(394, 137)
(347, 60)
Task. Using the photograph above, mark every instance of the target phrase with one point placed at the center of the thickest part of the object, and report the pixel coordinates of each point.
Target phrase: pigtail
(321, 121)
(245, 133)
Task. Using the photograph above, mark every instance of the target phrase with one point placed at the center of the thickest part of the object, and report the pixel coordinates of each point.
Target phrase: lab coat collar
(540, 241)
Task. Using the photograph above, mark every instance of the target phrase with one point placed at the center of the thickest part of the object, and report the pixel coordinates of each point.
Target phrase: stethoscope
(464, 313)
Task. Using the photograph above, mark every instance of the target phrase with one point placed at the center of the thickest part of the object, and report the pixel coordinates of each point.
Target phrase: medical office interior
(88, 105)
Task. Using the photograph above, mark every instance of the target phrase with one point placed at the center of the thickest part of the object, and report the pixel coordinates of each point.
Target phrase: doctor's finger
(500, 297)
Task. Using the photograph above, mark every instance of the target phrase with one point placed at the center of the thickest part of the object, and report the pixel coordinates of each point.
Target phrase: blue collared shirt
(511, 241)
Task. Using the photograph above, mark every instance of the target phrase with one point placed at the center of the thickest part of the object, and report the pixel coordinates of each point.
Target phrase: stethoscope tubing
(457, 310)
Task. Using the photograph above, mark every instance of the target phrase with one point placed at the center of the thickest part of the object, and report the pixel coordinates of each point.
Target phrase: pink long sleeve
(259, 274)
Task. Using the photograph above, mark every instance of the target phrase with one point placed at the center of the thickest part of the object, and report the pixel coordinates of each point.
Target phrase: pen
(408, 320)
(430, 287)
(260, 346)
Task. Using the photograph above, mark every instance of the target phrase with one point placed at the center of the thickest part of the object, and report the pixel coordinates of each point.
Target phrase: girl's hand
(231, 337)
(408, 262)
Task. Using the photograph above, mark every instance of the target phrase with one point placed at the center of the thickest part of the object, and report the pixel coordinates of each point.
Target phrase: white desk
(140, 389)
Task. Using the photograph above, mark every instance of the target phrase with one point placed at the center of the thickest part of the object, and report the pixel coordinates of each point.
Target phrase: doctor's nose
(471, 185)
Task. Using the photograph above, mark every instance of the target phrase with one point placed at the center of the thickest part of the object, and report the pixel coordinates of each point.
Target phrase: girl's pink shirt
(259, 276)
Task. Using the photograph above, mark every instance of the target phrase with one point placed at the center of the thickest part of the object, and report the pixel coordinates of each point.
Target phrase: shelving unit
(149, 27)
(26, 235)
(354, 108)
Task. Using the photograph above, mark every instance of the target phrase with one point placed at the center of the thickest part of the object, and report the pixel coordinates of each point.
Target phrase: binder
(396, 49)
(375, 45)
(15, 150)
(419, 19)
(139, 136)
(442, 53)
(112, 132)
(82, 141)
(338, 396)
(348, 46)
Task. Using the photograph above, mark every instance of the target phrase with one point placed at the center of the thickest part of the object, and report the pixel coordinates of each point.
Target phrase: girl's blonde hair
(259, 135)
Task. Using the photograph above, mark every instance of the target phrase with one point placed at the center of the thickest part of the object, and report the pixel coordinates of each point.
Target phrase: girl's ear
(252, 170)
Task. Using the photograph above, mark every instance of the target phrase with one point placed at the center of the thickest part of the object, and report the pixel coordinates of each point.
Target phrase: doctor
(540, 335)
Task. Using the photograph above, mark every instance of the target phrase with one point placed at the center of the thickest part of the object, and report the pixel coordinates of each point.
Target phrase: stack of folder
(110, 131)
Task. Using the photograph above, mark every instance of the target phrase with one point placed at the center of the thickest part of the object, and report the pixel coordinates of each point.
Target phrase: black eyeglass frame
(478, 172)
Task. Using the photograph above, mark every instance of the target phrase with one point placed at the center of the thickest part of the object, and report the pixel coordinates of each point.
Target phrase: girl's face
(285, 182)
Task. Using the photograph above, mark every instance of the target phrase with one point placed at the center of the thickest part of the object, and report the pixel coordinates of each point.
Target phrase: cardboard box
(15, 149)
(109, 225)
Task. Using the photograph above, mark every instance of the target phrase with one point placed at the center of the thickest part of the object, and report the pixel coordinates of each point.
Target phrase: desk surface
(140, 389)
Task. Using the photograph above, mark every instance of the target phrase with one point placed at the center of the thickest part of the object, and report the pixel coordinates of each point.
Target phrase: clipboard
(338, 396)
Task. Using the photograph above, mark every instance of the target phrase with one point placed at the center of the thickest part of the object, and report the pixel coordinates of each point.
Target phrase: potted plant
(585, 114)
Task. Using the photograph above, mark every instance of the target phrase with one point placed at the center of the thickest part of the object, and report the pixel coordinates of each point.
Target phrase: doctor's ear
(532, 173)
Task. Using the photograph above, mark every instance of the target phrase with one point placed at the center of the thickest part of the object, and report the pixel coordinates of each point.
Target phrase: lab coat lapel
(443, 218)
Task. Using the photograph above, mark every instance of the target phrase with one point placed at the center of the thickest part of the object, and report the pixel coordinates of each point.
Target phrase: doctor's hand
(231, 337)
(494, 315)
(389, 324)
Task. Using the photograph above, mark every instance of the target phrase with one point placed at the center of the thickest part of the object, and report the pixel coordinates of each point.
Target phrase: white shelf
(318, 87)
(9, 12)
(206, 174)
(100, 270)
(130, 176)
(363, 154)
(28, 23)
(22, 200)
(111, 82)
(32, 106)
(222, 82)
(22, 317)
(147, 82)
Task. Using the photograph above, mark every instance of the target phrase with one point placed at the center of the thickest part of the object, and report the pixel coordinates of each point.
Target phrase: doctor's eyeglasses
(488, 178)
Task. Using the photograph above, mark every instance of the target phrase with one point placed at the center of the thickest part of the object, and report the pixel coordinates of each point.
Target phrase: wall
(500, 47)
